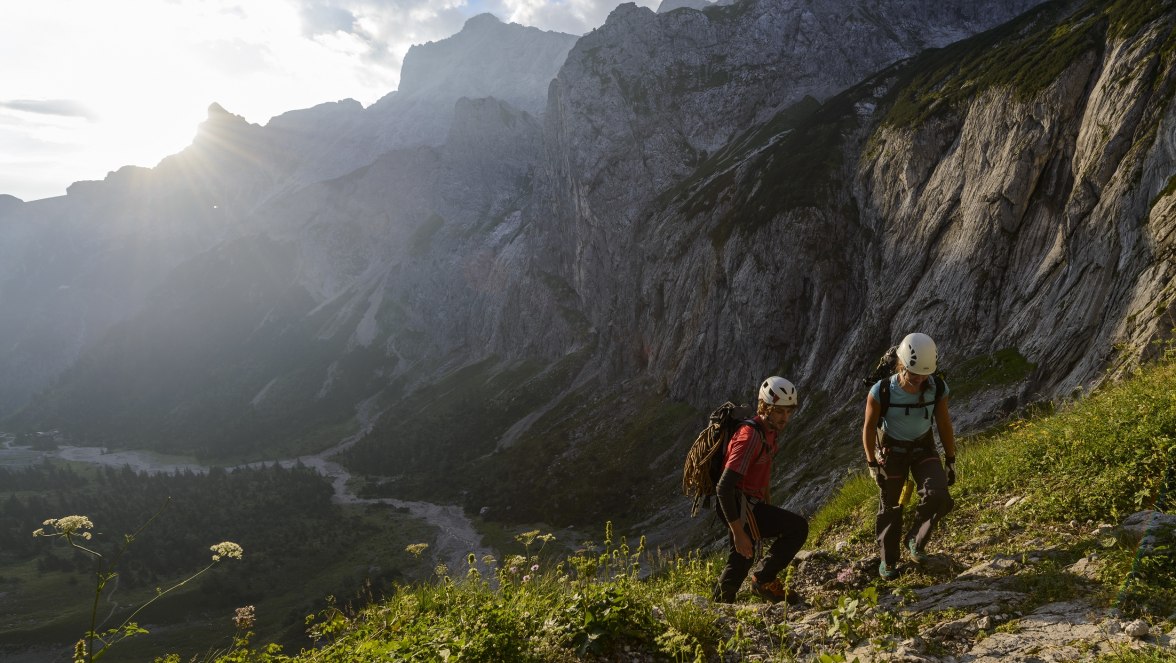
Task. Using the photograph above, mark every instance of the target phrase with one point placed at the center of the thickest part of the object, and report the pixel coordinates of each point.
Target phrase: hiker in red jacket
(743, 500)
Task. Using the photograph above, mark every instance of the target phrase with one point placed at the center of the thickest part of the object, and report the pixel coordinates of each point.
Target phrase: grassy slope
(1092, 461)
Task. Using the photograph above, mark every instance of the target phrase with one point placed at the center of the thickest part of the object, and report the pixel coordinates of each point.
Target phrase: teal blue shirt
(898, 423)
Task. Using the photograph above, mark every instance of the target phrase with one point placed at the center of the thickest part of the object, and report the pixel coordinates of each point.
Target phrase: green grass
(1148, 654)
(1002, 367)
(1025, 55)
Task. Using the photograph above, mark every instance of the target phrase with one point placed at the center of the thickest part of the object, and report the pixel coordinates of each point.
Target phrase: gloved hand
(878, 474)
(949, 461)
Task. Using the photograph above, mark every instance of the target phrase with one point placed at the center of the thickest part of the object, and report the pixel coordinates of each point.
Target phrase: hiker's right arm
(728, 493)
(870, 430)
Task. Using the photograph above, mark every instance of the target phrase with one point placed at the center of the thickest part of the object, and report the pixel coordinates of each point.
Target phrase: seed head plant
(93, 644)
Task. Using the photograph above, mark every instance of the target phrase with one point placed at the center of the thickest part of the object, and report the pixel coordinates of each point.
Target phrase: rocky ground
(972, 605)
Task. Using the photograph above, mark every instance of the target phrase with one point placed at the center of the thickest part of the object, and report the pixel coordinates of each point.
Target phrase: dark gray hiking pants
(790, 531)
(921, 461)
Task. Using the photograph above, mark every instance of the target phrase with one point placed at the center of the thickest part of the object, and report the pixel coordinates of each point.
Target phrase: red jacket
(750, 454)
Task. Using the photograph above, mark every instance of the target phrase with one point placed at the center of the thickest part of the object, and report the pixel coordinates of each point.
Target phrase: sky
(88, 87)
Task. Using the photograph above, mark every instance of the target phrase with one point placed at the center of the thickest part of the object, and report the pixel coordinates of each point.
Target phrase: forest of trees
(283, 518)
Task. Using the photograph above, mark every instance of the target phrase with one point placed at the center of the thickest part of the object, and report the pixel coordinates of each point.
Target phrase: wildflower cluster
(94, 644)
(66, 526)
(245, 618)
(226, 549)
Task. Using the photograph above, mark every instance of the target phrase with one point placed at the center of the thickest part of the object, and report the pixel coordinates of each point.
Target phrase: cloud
(324, 18)
(571, 16)
(58, 107)
(234, 57)
(380, 30)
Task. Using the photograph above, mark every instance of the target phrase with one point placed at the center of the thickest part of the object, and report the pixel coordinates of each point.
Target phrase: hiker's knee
(948, 503)
(938, 500)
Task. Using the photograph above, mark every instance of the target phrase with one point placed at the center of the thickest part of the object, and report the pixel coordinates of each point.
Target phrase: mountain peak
(670, 5)
(481, 22)
(215, 110)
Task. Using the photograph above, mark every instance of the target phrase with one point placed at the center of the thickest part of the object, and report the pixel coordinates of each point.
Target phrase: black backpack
(704, 461)
(887, 366)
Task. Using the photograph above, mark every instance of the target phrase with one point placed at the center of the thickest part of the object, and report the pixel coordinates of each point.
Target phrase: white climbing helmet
(778, 391)
(917, 353)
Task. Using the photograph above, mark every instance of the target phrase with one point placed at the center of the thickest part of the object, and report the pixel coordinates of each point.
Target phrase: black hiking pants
(921, 461)
(790, 531)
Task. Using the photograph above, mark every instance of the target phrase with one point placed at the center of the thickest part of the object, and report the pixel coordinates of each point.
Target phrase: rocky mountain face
(544, 304)
(509, 62)
(75, 265)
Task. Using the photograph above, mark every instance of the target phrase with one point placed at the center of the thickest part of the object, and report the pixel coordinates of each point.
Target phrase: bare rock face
(488, 58)
(647, 101)
(650, 96)
(1015, 221)
(1028, 221)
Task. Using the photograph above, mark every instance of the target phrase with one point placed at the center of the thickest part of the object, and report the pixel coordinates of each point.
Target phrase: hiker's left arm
(946, 431)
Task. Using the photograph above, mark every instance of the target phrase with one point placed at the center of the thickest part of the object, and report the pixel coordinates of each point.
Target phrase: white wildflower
(69, 525)
(226, 549)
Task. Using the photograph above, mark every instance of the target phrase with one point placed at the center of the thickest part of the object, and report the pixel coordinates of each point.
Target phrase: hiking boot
(887, 573)
(775, 592)
(919, 556)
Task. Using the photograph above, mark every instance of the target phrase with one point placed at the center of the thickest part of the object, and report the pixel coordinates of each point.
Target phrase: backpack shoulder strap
(940, 387)
(759, 436)
(883, 397)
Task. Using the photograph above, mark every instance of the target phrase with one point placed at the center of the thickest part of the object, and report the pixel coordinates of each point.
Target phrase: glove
(878, 474)
(951, 475)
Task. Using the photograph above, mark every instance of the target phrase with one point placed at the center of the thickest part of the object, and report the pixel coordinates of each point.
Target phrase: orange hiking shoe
(775, 592)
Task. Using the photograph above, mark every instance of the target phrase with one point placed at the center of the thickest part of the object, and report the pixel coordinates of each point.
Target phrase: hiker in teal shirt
(901, 408)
